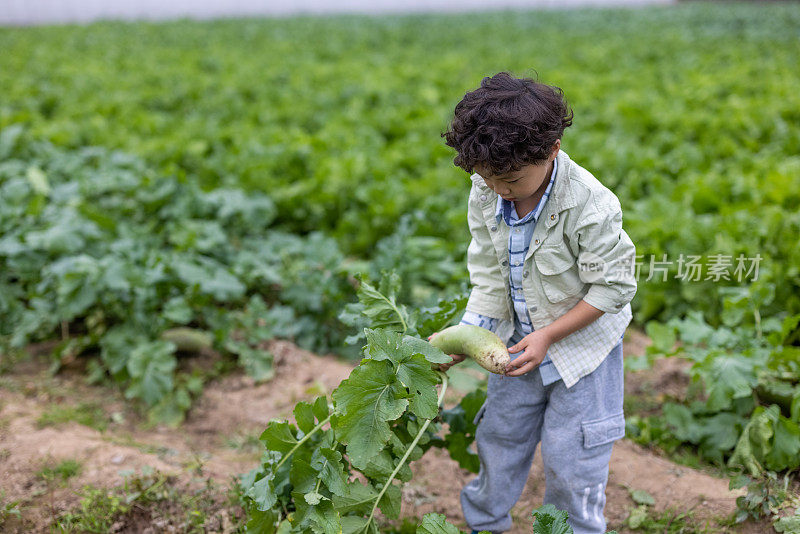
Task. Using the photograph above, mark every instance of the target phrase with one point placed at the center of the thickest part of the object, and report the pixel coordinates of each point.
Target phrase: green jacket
(578, 251)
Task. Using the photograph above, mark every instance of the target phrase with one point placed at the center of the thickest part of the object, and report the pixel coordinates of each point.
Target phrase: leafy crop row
(688, 112)
(133, 267)
(743, 408)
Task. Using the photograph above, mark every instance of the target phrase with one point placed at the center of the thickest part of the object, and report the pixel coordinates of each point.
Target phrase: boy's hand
(534, 347)
(457, 358)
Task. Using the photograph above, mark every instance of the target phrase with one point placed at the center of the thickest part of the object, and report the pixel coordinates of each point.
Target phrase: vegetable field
(176, 198)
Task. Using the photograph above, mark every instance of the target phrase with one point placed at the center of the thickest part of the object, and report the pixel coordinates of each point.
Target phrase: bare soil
(218, 442)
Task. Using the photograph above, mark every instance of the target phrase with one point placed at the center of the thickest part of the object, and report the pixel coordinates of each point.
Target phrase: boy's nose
(499, 189)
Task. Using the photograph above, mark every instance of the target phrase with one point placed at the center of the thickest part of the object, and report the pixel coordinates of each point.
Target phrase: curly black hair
(507, 123)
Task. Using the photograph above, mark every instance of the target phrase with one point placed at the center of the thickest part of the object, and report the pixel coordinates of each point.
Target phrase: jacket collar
(561, 198)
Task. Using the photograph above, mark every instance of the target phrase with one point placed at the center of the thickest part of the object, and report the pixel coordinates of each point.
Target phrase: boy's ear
(556, 147)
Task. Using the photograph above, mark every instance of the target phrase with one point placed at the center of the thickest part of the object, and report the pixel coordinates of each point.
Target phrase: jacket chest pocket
(558, 271)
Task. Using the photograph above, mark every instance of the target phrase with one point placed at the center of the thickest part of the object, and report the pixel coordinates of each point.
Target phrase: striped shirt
(518, 243)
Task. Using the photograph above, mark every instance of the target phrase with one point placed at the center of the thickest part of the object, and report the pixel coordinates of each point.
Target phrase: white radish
(480, 344)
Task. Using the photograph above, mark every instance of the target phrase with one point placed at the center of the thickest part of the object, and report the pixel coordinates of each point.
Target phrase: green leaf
(358, 525)
(693, 329)
(263, 493)
(9, 138)
(412, 368)
(390, 502)
(728, 377)
(150, 367)
(381, 307)
(358, 498)
(304, 416)
(313, 498)
(683, 422)
(320, 408)
(662, 335)
(171, 409)
(788, 524)
(433, 523)
(423, 348)
(319, 514)
(436, 318)
(458, 447)
(209, 277)
(178, 310)
(754, 443)
(116, 346)
(261, 522)
(641, 497)
(279, 436)
(462, 428)
(38, 180)
(637, 517)
(382, 465)
(302, 476)
(721, 431)
(259, 486)
(366, 401)
(257, 363)
(788, 326)
(785, 445)
(547, 519)
(328, 463)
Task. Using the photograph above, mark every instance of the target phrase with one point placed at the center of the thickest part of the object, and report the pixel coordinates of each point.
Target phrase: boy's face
(527, 183)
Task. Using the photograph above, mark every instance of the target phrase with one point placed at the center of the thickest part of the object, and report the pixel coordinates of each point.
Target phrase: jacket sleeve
(488, 295)
(476, 319)
(606, 255)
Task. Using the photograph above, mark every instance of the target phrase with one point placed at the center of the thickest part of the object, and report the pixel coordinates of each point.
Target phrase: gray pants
(577, 428)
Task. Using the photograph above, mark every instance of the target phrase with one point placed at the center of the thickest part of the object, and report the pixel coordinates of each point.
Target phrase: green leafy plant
(748, 417)
(378, 420)
(133, 270)
(768, 496)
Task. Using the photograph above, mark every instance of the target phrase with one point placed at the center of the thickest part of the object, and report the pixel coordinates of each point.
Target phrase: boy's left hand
(535, 347)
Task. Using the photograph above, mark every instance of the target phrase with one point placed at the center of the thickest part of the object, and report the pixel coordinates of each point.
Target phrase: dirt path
(218, 441)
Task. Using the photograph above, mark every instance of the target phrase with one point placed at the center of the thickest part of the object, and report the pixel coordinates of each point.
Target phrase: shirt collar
(505, 207)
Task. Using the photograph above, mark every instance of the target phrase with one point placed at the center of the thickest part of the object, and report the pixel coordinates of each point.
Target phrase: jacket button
(494, 228)
(552, 217)
(483, 197)
(525, 274)
(536, 242)
(505, 263)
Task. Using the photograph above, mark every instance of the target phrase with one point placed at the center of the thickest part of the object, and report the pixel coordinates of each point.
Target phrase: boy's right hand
(457, 358)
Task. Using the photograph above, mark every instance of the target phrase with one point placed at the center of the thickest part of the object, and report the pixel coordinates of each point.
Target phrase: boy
(551, 274)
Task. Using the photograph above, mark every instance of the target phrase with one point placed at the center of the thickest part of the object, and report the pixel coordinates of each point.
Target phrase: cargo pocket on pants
(603, 431)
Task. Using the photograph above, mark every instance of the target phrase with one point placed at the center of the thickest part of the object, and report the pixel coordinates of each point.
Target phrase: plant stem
(305, 438)
(408, 452)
